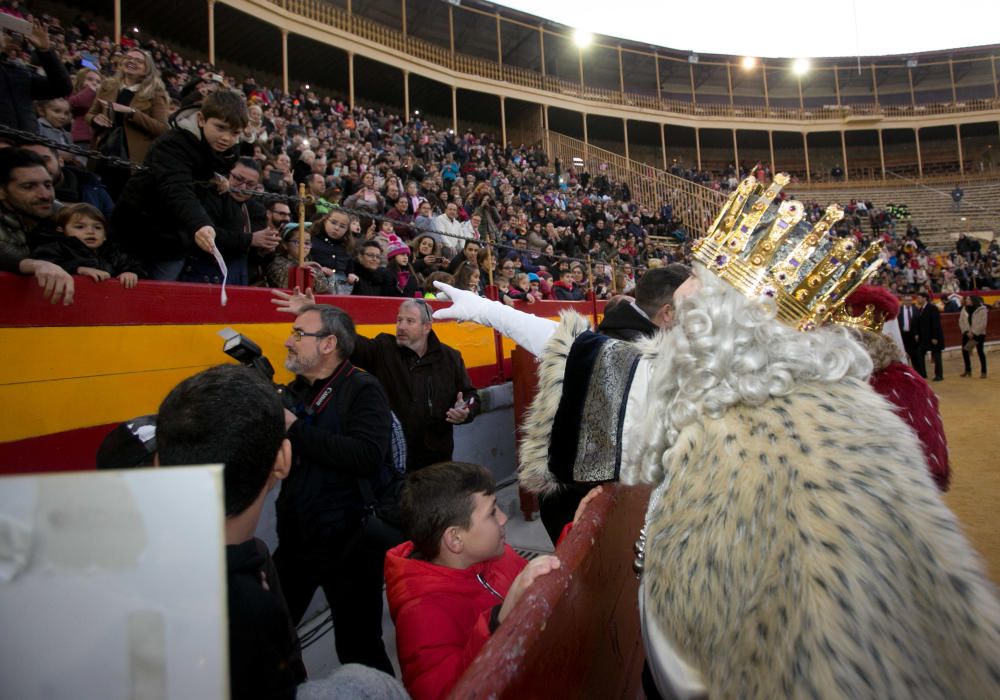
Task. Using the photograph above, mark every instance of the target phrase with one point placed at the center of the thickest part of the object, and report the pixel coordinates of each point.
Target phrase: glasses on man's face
(298, 334)
(371, 256)
(243, 181)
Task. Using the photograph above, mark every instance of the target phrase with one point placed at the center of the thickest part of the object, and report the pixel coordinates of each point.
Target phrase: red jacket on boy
(442, 615)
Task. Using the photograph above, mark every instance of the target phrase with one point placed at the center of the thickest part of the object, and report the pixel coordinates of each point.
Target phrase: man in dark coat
(20, 86)
(930, 337)
(429, 390)
(340, 429)
(195, 426)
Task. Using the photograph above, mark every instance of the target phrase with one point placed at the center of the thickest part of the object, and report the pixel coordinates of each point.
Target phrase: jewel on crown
(762, 246)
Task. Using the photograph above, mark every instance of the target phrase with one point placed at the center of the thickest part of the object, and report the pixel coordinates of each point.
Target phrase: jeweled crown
(764, 247)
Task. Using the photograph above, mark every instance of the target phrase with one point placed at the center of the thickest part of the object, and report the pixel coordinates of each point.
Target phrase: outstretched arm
(527, 330)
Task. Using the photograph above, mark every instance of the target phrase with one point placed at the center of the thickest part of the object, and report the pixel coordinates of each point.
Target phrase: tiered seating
(931, 208)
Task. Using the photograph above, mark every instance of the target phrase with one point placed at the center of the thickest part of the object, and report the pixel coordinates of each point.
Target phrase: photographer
(340, 428)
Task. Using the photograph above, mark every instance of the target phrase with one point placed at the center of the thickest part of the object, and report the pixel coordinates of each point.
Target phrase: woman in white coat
(972, 322)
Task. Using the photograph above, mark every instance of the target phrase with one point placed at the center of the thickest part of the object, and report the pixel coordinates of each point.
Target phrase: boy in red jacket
(456, 580)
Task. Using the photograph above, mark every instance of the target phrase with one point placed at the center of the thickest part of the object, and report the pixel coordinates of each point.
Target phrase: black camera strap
(322, 398)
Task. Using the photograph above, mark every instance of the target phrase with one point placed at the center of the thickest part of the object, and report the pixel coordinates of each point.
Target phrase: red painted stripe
(108, 304)
(72, 450)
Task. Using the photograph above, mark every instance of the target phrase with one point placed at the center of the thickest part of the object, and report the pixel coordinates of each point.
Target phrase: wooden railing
(323, 13)
(695, 205)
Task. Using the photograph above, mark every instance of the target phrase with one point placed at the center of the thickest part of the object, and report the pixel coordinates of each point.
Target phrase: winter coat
(420, 390)
(442, 615)
(143, 127)
(978, 323)
(20, 86)
(161, 207)
(373, 283)
(264, 656)
(71, 254)
(347, 440)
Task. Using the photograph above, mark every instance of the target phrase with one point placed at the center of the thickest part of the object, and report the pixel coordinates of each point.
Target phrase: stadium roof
(804, 29)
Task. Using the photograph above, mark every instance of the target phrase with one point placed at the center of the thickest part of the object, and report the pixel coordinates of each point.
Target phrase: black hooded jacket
(162, 206)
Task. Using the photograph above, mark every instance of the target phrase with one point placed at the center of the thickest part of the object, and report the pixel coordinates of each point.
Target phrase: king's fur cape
(800, 549)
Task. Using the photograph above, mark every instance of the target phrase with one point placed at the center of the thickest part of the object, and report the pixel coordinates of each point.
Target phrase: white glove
(527, 330)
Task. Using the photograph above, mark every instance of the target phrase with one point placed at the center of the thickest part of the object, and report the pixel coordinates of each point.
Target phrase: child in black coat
(84, 249)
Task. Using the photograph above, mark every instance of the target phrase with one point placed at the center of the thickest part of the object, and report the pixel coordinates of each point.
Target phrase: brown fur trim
(534, 453)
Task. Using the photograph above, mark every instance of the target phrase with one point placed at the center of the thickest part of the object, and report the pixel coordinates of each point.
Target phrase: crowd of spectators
(435, 201)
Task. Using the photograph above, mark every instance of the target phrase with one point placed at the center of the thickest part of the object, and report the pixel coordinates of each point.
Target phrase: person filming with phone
(426, 382)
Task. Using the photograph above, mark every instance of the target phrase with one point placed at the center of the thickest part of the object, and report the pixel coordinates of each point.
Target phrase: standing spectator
(19, 86)
(908, 314)
(334, 247)
(26, 198)
(429, 390)
(341, 431)
(956, 198)
(86, 83)
(160, 217)
(135, 100)
(930, 336)
(972, 322)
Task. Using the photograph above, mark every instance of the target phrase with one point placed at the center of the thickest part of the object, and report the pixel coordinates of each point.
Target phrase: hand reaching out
(292, 302)
(205, 238)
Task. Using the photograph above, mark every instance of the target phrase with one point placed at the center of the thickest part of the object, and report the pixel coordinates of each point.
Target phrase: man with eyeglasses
(370, 278)
(340, 429)
(234, 233)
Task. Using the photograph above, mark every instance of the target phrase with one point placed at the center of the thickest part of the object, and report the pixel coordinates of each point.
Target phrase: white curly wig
(724, 350)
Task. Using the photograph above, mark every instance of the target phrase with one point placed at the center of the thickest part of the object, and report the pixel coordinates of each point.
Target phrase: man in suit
(908, 330)
(930, 336)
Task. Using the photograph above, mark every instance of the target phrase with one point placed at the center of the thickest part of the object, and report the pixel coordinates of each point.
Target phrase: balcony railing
(322, 12)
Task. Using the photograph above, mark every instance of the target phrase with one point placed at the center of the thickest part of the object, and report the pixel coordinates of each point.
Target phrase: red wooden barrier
(576, 633)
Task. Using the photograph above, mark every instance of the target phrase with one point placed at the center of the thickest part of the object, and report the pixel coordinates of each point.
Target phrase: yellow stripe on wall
(62, 378)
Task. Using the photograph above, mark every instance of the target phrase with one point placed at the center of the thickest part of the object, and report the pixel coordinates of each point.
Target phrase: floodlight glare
(800, 66)
(749, 62)
(582, 39)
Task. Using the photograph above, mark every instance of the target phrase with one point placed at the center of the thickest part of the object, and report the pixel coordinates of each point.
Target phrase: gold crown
(765, 248)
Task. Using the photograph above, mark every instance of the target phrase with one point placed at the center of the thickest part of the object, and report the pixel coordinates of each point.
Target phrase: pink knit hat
(396, 247)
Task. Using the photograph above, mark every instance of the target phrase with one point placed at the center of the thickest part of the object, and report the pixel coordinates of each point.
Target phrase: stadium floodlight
(693, 58)
(748, 63)
(911, 63)
(800, 66)
(582, 39)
